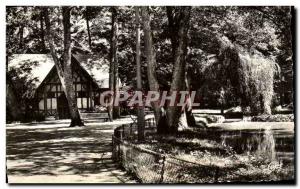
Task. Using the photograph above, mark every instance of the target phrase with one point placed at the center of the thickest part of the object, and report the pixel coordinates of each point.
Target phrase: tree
(41, 17)
(151, 61)
(191, 122)
(21, 31)
(141, 119)
(178, 28)
(24, 30)
(262, 30)
(114, 111)
(178, 18)
(13, 105)
(64, 68)
(87, 19)
(254, 32)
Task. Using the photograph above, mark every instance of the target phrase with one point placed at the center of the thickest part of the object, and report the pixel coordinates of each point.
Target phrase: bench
(95, 115)
(104, 116)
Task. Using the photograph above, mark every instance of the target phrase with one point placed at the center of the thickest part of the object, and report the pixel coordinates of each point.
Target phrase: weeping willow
(252, 76)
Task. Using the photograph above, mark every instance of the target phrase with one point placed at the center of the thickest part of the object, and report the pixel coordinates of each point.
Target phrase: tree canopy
(263, 32)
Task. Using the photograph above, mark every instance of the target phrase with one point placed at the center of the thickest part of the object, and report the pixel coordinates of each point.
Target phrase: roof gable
(36, 67)
(96, 67)
(33, 67)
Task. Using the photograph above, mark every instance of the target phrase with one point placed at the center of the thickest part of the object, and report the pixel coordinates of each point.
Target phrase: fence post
(217, 174)
(120, 134)
(123, 128)
(119, 145)
(162, 170)
(112, 147)
(152, 122)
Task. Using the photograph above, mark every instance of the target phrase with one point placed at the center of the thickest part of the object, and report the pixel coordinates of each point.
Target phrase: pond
(273, 140)
(243, 151)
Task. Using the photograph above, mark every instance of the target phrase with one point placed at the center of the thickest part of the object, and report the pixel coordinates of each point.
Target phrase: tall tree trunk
(189, 108)
(114, 111)
(21, 37)
(151, 64)
(88, 27)
(180, 19)
(21, 32)
(64, 69)
(42, 32)
(75, 116)
(141, 119)
(111, 88)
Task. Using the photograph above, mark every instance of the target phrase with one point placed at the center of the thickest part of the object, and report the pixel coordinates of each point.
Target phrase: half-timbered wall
(51, 91)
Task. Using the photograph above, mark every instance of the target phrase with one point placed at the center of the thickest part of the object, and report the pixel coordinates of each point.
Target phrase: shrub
(29, 117)
(215, 118)
(274, 118)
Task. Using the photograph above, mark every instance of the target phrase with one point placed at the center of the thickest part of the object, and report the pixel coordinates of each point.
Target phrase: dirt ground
(51, 152)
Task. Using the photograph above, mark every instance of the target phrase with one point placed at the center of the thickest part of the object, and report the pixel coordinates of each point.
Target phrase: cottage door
(62, 107)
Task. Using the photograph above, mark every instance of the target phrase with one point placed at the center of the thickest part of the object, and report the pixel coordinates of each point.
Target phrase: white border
(5, 3)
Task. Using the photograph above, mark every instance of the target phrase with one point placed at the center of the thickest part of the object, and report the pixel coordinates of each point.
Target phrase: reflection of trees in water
(266, 145)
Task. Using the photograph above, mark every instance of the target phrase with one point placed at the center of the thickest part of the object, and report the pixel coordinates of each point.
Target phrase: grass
(218, 161)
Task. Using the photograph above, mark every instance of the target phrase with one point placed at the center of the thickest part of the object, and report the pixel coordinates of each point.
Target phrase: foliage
(259, 32)
(24, 30)
(252, 75)
(251, 29)
(274, 118)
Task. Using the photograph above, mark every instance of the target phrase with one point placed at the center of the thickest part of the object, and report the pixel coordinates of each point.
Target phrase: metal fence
(153, 167)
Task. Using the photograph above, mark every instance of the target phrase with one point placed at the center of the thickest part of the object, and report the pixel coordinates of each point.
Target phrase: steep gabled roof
(36, 67)
(33, 67)
(96, 67)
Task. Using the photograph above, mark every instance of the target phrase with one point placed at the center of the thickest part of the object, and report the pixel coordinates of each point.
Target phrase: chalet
(90, 78)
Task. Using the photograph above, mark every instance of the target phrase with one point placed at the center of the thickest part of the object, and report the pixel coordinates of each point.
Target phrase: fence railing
(153, 167)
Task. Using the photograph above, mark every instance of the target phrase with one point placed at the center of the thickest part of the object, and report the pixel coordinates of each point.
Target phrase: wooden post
(50, 99)
(112, 143)
(56, 96)
(38, 102)
(45, 100)
(81, 92)
(216, 174)
(162, 169)
(76, 91)
(94, 98)
(88, 95)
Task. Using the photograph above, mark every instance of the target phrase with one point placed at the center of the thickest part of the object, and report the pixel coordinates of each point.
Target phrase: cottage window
(81, 94)
(50, 94)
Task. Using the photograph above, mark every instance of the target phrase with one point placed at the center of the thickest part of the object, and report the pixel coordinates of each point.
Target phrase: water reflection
(266, 145)
(270, 144)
